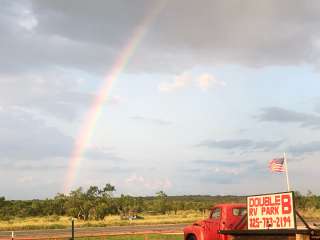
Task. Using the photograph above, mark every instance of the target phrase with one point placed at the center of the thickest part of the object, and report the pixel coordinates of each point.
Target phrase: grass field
(54, 222)
(138, 237)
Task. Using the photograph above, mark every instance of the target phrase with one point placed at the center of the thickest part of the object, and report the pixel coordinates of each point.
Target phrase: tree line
(96, 203)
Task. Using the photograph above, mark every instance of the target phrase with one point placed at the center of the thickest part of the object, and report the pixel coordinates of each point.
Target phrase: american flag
(277, 165)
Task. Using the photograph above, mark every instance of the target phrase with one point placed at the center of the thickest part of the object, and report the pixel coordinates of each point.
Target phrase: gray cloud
(118, 170)
(221, 163)
(26, 50)
(80, 35)
(304, 148)
(156, 121)
(56, 94)
(23, 137)
(104, 154)
(317, 106)
(97, 20)
(219, 179)
(281, 115)
(224, 31)
(226, 171)
(53, 94)
(240, 144)
(31, 166)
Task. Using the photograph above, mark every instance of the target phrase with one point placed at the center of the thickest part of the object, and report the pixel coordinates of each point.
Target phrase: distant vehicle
(229, 216)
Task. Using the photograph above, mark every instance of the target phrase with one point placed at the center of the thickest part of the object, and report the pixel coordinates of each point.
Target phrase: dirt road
(92, 231)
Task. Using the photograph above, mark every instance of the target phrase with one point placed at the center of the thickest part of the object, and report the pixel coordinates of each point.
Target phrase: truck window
(239, 211)
(216, 213)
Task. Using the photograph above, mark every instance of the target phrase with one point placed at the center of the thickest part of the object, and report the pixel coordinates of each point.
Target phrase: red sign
(271, 211)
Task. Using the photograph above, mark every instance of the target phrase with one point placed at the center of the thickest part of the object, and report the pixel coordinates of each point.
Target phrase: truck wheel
(192, 237)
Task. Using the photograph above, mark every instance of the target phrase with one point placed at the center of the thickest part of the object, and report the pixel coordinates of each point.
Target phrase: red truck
(229, 222)
(222, 217)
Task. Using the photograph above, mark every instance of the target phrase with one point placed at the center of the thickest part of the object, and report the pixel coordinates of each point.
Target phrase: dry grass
(311, 213)
(54, 222)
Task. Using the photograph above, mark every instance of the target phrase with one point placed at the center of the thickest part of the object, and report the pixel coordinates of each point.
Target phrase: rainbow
(91, 117)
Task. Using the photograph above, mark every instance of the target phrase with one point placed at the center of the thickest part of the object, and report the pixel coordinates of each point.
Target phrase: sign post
(72, 229)
(271, 211)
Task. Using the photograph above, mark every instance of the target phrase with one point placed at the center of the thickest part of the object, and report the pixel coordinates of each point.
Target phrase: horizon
(154, 195)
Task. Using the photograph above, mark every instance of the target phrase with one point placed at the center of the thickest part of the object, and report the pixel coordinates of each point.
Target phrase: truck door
(213, 225)
(235, 216)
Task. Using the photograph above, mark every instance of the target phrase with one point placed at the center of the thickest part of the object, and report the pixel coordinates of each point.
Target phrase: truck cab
(229, 216)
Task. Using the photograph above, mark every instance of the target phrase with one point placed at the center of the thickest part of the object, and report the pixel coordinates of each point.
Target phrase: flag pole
(286, 168)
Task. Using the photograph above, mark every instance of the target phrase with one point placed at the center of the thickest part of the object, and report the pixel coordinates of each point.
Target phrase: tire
(191, 237)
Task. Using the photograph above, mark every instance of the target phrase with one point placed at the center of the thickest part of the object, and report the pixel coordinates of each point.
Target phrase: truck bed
(301, 234)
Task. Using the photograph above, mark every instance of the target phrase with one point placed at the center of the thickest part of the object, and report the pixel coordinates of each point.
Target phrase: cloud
(50, 94)
(151, 184)
(240, 144)
(179, 82)
(119, 17)
(222, 33)
(304, 148)
(24, 137)
(227, 167)
(114, 169)
(204, 82)
(101, 153)
(225, 163)
(317, 106)
(30, 165)
(155, 121)
(25, 179)
(36, 51)
(281, 115)
(56, 94)
(46, 34)
(228, 171)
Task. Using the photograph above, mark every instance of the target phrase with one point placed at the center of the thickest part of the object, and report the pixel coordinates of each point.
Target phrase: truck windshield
(239, 211)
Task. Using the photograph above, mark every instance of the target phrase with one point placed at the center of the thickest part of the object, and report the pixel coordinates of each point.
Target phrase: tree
(311, 200)
(59, 204)
(93, 193)
(107, 191)
(161, 202)
(77, 205)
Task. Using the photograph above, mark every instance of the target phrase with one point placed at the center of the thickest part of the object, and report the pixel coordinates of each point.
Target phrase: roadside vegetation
(98, 207)
(30, 223)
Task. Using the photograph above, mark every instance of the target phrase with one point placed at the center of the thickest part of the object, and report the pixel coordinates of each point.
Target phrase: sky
(209, 92)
